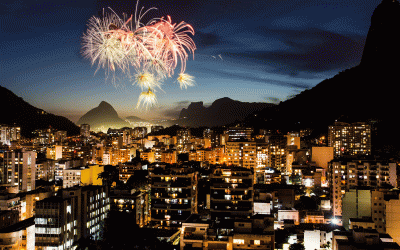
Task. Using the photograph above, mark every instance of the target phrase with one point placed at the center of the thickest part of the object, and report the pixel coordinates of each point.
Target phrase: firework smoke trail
(153, 49)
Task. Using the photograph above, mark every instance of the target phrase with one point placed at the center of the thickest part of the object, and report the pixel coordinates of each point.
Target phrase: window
(257, 242)
(238, 241)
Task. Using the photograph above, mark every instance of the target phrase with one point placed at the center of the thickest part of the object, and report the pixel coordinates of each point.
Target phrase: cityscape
(317, 170)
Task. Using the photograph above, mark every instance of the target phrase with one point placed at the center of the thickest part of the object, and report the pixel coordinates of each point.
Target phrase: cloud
(183, 103)
(176, 110)
(273, 100)
(252, 78)
(312, 50)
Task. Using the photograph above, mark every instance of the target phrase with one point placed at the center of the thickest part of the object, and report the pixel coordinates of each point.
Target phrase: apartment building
(173, 196)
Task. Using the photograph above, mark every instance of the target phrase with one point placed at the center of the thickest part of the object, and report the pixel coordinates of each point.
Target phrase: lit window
(257, 242)
(238, 241)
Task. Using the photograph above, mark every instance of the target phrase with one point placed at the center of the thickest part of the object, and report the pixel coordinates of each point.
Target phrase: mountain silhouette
(29, 118)
(102, 117)
(381, 46)
(221, 112)
(367, 92)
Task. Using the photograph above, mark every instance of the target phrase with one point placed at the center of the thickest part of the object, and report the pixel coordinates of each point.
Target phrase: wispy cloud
(174, 111)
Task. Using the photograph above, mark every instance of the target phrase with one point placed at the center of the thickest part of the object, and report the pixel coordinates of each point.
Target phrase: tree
(327, 245)
(296, 246)
(183, 157)
(138, 179)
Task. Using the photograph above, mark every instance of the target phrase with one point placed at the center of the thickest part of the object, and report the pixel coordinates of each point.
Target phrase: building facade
(18, 169)
(350, 138)
(173, 196)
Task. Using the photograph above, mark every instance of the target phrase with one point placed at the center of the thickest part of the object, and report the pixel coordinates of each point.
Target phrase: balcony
(232, 186)
(217, 238)
(180, 206)
(191, 236)
(232, 198)
(161, 184)
(160, 206)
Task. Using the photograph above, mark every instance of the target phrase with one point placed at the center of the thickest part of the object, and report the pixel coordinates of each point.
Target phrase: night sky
(270, 49)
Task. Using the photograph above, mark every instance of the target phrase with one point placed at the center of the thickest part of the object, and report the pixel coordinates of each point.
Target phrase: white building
(289, 215)
(316, 239)
(106, 159)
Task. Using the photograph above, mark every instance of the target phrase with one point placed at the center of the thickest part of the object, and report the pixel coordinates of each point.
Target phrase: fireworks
(101, 46)
(153, 50)
(185, 80)
(146, 80)
(149, 99)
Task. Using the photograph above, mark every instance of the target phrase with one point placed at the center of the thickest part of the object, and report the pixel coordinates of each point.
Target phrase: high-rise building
(85, 130)
(217, 139)
(183, 139)
(43, 136)
(45, 169)
(75, 213)
(173, 196)
(277, 152)
(239, 134)
(293, 141)
(134, 202)
(241, 154)
(9, 134)
(169, 156)
(231, 193)
(350, 138)
(344, 174)
(207, 133)
(392, 220)
(54, 152)
(365, 204)
(60, 136)
(356, 204)
(139, 132)
(18, 169)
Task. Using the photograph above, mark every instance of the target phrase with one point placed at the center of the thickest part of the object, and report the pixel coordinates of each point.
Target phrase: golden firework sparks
(185, 80)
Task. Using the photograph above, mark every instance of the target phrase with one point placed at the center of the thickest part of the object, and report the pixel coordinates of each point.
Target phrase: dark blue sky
(270, 49)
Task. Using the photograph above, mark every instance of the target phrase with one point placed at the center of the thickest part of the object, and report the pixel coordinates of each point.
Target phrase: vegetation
(296, 246)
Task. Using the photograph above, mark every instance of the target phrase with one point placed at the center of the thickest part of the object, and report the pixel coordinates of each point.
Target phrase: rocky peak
(381, 47)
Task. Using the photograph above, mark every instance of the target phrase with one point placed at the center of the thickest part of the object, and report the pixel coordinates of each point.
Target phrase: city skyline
(253, 51)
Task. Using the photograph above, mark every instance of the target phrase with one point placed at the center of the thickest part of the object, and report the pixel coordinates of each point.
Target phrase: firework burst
(146, 81)
(103, 47)
(185, 80)
(153, 49)
(148, 98)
